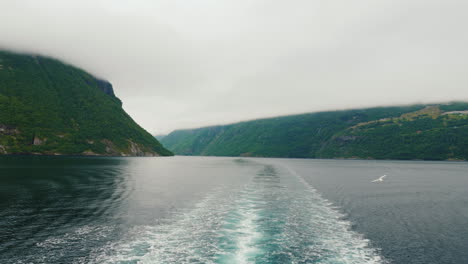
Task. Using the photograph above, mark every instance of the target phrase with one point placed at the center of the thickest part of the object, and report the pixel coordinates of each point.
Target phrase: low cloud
(178, 64)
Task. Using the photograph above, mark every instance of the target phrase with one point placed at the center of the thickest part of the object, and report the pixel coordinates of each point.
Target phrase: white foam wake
(239, 233)
(275, 218)
(190, 237)
(331, 238)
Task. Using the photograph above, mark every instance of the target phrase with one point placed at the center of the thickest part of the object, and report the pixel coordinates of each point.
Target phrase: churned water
(231, 210)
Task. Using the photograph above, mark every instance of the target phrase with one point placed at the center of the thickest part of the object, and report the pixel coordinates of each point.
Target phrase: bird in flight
(379, 179)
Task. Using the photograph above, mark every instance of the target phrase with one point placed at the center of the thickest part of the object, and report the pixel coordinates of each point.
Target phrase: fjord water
(231, 210)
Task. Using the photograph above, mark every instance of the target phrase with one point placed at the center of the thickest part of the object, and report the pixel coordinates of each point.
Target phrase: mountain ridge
(48, 107)
(330, 135)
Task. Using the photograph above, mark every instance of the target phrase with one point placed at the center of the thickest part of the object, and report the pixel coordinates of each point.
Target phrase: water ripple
(275, 218)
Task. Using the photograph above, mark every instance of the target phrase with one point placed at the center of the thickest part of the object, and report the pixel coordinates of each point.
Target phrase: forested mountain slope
(432, 132)
(48, 107)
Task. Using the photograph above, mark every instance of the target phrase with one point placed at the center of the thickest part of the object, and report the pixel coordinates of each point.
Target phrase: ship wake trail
(276, 217)
(187, 237)
(318, 229)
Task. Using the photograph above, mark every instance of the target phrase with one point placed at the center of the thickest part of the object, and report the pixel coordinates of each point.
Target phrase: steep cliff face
(105, 86)
(47, 107)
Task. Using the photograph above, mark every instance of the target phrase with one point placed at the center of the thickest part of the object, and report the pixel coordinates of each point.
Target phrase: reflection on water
(46, 201)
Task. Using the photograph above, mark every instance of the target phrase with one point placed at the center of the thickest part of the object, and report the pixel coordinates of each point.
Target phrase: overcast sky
(182, 64)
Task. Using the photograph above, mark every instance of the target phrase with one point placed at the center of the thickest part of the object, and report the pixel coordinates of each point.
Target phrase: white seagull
(379, 179)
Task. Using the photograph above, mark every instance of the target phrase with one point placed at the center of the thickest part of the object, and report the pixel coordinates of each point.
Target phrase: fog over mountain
(178, 64)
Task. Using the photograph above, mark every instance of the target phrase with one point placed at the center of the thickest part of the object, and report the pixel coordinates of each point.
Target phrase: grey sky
(179, 64)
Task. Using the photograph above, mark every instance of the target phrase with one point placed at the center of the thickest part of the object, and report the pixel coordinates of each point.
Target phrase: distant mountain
(159, 137)
(48, 107)
(427, 132)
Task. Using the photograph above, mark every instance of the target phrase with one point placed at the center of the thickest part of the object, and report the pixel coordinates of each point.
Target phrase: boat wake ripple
(277, 217)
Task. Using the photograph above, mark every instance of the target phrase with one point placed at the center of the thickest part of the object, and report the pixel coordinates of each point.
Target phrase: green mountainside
(429, 132)
(48, 107)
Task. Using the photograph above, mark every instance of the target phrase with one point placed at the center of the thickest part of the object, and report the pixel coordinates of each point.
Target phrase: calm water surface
(231, 210)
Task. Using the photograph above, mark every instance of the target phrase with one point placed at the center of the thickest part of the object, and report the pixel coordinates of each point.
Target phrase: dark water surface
(231, 210)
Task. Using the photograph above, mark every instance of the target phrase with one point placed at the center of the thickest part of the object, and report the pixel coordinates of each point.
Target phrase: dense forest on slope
(48, 107)
(431, 132)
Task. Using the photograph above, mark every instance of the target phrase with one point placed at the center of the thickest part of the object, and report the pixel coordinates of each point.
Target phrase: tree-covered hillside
(48, 107)
(433, 132)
